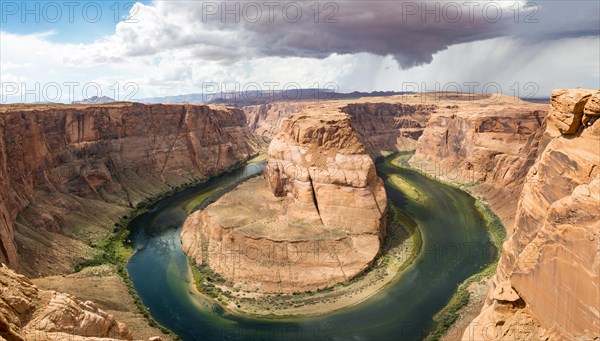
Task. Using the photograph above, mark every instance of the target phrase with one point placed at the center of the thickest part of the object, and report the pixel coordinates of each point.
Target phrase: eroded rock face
(27, 313)
(382, 126)
(591, 111)
(552, 260)
(265, 119)
(67, 172)
(319, 162)
(317, 219)
(491, 143)
(567, 109)
(389, 126)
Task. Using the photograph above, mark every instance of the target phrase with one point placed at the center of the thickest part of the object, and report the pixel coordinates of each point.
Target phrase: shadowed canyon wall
(67, 173)
(547, 283)
(389, 126)
(383, 126)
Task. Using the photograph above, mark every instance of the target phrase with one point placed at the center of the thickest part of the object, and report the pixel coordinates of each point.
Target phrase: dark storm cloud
(412, 32)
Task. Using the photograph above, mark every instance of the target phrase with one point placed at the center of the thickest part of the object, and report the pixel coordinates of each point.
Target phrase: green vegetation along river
(456, 245)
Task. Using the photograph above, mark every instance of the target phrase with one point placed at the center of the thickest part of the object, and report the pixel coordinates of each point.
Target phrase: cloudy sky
(60, 51)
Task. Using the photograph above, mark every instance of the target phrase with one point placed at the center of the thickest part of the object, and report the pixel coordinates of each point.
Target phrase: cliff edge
(547, 283)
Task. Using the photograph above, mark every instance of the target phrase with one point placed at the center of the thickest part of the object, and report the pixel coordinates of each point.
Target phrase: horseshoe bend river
(456, 245)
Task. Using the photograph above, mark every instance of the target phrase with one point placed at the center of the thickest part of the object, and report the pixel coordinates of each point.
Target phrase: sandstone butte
(547, 283)
(317, 217)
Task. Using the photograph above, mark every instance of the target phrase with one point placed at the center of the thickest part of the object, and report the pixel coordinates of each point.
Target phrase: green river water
(456, 245)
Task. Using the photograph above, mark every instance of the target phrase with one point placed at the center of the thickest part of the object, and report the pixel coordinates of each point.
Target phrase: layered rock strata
(316, 219)
(490, 141)
(547, 284)
(491, 144)
(68, 172)
(384, 124)
(389, 127)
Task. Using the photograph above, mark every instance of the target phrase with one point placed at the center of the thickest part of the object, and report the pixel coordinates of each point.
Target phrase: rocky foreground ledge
(27, 313)
(317, 218)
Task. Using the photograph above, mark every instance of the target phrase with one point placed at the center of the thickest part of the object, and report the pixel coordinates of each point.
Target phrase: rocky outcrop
(318, 217)
(547, 284)
(320, 163)
(27, 313)
(489, 143)
(567, 111)
(68, 172)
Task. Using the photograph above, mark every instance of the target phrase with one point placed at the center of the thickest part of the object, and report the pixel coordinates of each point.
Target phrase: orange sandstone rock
(317, 219)
(552, 259)
(27, 313)
(68, 172)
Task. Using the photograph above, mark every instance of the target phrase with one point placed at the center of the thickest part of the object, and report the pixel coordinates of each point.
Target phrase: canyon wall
(316, 219)
(265, 120)
(27, 313)
(486, 141)
(547, 283)
(490, 144)
(388, 127)
(384, 124)
(67, 172)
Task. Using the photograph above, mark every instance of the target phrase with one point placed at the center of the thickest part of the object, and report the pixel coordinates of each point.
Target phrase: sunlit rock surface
(550, 265)
(316, 219)
(69, 172)
(27, 313)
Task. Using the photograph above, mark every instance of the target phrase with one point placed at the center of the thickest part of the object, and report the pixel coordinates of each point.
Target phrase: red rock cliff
(383, 123)
(491, 143)
(389, 126)
(547, 285)
(68, 172)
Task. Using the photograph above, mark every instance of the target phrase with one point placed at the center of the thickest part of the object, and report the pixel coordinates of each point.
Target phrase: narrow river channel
(455, 246)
